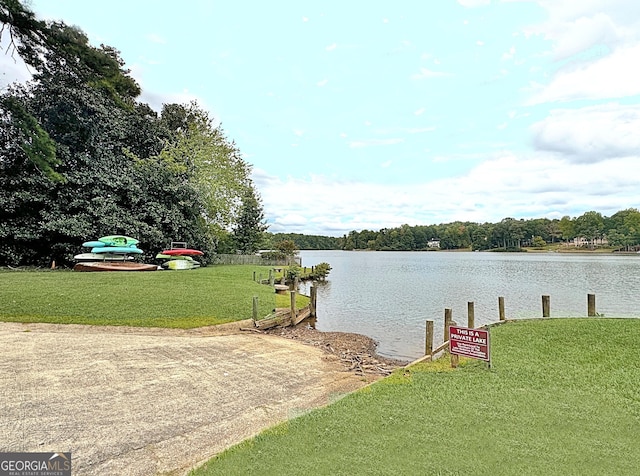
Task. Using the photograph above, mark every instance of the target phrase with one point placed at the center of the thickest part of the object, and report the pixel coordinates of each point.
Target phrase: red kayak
(182, 252)
(114, 266)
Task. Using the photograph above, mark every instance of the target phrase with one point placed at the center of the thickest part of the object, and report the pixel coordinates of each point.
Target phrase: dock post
(471, 315)
(428, 342)
(591, 305)
(314, 300)
(501, 308)
(546, 306)
(447, 322)
(255, 308)
(293, 305)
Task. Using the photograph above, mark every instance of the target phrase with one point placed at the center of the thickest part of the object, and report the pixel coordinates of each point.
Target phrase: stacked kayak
(179, 258)
(111, 253)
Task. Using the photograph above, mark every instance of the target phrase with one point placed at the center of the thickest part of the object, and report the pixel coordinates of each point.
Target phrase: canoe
(114, 266)
(93, 244)
(176, 264)
(182, 252)
(101, 257)
(161, 256)
(118, 249)
(118, 240)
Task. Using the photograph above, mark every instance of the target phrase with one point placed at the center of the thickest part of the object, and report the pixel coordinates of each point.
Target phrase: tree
(288, 248)
(508, 233)
(250, 226)
(590, 225)
(567, 228)
(623, 228)
(211, 163)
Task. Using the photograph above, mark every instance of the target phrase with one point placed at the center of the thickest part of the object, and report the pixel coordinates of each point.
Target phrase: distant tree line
(619, 231)
(303, 242)
(81, 158)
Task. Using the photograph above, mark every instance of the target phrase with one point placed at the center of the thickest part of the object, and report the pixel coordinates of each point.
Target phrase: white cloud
(480, 43)
(575, 26)
(590, 134)
(614, 76)
(156, 101)
(298, 132)
(419, 112)
(357, 144)
(292, 219)
(529, 186)
(322, 83)
(331, 47)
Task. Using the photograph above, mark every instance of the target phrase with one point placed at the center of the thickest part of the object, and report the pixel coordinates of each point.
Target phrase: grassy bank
(562, 398)
(178, 299)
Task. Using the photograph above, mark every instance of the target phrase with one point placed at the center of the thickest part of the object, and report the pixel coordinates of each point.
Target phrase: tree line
(619, 231)
(81, 157)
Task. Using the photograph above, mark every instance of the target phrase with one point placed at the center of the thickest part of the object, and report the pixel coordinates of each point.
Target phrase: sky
(370, 114)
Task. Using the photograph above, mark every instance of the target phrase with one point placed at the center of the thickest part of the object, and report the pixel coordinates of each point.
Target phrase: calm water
(389, 295)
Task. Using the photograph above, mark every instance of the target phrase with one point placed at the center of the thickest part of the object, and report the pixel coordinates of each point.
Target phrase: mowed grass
(562, 398)
(177, 299)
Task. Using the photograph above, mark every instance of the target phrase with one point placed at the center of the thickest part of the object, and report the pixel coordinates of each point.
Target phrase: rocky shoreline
(356, 352)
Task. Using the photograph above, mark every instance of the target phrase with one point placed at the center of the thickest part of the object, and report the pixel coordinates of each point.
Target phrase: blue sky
(372, 114)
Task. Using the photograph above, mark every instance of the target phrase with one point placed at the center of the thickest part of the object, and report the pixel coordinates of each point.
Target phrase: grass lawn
(178, 299)
(562, 398)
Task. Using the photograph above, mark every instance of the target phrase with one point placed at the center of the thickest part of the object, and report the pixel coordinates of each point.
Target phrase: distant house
(433, 243)
(582, 241)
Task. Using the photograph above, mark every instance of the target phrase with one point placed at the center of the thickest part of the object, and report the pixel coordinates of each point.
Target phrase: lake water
(390, 295)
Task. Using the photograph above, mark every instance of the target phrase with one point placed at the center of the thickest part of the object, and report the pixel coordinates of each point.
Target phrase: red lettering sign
(468, 342)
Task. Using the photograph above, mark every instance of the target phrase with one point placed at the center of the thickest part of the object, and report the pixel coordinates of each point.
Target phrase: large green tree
(212, 163)
(590, 225)
(250, 225)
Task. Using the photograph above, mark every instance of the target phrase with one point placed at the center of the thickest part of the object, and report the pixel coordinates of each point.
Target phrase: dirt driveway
(133, 401)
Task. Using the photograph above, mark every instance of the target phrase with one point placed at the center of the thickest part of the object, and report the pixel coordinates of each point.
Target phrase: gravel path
(133, 401)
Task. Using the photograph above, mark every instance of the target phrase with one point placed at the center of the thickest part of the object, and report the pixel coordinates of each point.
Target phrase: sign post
(473, 343)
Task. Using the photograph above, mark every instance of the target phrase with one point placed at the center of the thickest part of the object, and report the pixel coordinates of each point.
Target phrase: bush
(321, 271)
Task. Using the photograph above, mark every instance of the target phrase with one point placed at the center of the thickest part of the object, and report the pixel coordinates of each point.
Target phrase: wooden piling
(455, 358)
(591, 305)
(428, 341)
(293, 304)
(501, 308)
(546, 306)
(471, 315)
(255, 308)
(314, 300)
(447, 322)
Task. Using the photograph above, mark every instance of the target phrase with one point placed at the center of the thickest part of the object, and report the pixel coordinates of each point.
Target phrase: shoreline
(356, 352)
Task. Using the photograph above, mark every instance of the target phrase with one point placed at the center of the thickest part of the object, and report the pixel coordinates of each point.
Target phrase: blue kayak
(93, 244)
(117, 249)
(118, 240)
